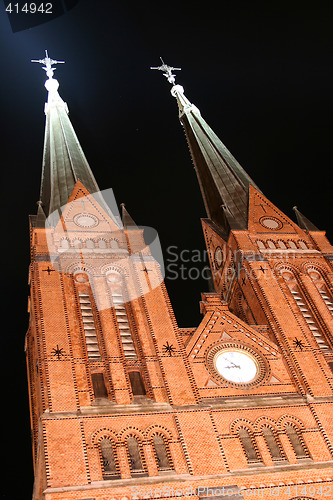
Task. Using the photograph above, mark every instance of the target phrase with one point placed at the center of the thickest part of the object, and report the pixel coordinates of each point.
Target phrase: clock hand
(232, 363)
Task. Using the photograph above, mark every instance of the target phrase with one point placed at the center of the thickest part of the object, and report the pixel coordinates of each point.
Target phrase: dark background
(261, 74)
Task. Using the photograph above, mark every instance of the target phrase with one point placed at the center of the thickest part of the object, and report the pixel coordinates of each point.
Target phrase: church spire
(64, 162)
(224, 183)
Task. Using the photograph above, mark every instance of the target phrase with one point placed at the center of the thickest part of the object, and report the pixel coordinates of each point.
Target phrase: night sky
(261, 74)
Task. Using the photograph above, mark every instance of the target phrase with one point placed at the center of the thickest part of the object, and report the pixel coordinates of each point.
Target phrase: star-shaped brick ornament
(58, 351)
(298, 343)
(168, 348)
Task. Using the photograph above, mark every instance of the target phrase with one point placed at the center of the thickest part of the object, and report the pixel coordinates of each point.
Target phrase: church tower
(124, 403)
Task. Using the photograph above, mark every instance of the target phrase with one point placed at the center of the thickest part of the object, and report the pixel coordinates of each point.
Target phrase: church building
(125, 404)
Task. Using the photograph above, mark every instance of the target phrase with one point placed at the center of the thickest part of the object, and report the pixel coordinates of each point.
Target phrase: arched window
(108, 459)
(261, 245)
(114, 244)
(77, 244)
(271, 244)
(161, 453)
(319, 282)
(296, 443)
(282, 245)
(135, 457)
(102, 244)
(273, 444)
(248, 444)
(292, 244)
(90, 244)
(65, 243)
(303, 245)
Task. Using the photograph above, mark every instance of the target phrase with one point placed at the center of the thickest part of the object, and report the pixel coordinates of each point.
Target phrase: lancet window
(108, 459)
(135, 457)
(248, 443)
(305, 309)
(161, 453)
(273, 444)
(296, 442)
(322, 288)
(119, 300)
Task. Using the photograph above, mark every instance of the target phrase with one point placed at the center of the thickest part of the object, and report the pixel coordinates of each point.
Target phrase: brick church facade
(124, 402)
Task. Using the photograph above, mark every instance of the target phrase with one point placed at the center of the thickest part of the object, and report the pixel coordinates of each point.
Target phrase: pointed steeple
(224, 183)
(64, 162)
(127, 220)
(303, 222)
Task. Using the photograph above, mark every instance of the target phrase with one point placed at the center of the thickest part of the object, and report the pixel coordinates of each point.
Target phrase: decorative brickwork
(127, 405)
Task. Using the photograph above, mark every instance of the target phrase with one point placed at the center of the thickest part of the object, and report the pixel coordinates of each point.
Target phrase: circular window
(81, 277)
(271, 223)
(218, 257)
(86, 220)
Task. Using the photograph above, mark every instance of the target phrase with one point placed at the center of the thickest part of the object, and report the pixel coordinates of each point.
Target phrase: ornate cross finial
(48, 64)
(168, 71)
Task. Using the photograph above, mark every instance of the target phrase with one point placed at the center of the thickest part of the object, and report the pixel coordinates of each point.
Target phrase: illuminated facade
(125, 403)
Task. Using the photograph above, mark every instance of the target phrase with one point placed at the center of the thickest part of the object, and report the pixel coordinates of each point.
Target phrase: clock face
(218, 257)
(236, 366)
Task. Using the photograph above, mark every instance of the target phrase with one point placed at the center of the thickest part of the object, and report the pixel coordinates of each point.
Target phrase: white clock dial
(236, 366)
(218, 257)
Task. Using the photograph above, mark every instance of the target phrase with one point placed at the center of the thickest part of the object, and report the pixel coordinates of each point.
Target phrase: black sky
(261, 74)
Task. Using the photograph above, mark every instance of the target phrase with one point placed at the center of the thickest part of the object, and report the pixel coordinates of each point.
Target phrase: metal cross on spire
(48, 64)
(168, 71)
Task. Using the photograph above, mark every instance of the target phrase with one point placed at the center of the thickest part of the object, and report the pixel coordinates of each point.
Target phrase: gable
(83, 213)
(266, 218)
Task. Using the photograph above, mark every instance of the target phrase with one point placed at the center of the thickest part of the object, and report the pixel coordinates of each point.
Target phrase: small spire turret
(304, 222)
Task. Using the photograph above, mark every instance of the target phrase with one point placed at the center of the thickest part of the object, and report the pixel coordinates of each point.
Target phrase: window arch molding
(321, 270)
(270, 422)
(152, 430)
(243, 422)
(281, 267)
(77, 267)
(290, 420)
(65, 243)
(132, 432)
(103, 433)
(115, 268)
